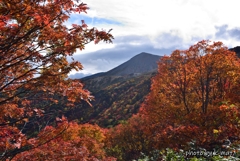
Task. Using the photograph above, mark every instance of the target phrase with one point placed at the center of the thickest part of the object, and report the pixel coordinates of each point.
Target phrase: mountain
(118, 93)
(141, 63)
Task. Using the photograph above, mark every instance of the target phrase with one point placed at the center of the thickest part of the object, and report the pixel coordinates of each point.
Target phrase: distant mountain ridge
(139, 64)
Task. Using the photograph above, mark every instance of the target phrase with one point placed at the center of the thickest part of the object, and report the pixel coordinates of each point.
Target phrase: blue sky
(156, 27)
(92, 21)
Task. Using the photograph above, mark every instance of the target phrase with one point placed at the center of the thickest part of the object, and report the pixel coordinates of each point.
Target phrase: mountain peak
(140, 63)
(144, 53)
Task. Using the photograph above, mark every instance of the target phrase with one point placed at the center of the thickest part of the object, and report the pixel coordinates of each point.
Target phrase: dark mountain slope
(115, 102)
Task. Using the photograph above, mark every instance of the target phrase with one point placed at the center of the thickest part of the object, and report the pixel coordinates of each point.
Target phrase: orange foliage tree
(127, 140)
(187, 93)
(78, 142)
(34, 47)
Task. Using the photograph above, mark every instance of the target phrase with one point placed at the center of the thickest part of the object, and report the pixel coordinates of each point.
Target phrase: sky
(154, 26)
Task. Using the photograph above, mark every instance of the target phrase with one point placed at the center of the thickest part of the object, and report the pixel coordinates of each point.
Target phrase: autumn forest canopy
(192, 106)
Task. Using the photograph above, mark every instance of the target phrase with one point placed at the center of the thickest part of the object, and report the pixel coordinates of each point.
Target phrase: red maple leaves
(34, 47)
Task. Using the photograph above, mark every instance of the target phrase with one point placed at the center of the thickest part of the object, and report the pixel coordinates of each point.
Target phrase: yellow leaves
(215, 131)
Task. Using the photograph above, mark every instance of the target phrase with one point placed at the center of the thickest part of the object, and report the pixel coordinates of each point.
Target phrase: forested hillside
(117, 98)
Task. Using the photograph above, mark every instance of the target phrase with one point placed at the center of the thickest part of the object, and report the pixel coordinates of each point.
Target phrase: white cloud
(196, 18)
(156, 25)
